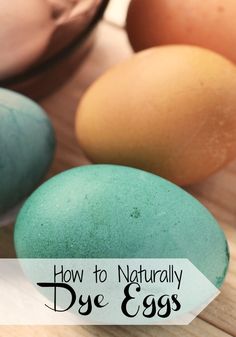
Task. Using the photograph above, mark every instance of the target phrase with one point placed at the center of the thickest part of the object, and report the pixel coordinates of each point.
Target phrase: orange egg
(168, 110)
(209, 24)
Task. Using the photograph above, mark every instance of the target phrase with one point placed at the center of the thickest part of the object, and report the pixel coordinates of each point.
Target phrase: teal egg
(106, 211)
(26, 147)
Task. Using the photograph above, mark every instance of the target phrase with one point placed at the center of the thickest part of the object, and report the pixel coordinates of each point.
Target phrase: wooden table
(218, 193)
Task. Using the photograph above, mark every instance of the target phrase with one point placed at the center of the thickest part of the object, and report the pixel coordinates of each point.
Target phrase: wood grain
(197, 328)
(218, 193)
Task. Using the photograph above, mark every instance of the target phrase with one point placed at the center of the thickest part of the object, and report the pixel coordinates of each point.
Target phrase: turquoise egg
(106, 211)
(26, 147)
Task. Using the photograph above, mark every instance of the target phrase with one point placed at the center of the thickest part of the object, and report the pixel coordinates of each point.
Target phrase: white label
(102, 291)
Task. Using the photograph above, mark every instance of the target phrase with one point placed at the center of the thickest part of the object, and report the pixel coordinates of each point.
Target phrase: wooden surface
(218, 193)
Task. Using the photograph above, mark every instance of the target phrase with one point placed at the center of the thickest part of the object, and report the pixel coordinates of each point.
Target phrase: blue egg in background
(27, 145)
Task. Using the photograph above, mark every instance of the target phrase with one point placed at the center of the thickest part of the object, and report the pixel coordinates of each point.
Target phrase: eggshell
(169, 110)
(105, 211)
(209, 24)
(25, 31)
(26, 147)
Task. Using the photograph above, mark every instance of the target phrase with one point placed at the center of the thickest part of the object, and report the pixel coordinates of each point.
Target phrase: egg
(209, 24)
(26, 147)
(168, 110)
(108, 211)
(26, 27)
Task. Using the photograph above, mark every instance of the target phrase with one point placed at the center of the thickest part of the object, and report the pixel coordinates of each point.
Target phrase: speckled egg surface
(168, 110)
(106, 211)
(26, 147)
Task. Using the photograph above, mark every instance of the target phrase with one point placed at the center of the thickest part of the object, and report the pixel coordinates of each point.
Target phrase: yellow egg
(168, 110)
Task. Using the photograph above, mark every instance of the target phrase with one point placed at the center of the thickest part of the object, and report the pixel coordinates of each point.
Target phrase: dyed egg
(26, 147)
(105, 211)
(167, 110)
(209, 24)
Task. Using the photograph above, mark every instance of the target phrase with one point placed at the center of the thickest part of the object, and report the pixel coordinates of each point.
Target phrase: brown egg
(168, 110)
(209, 24)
